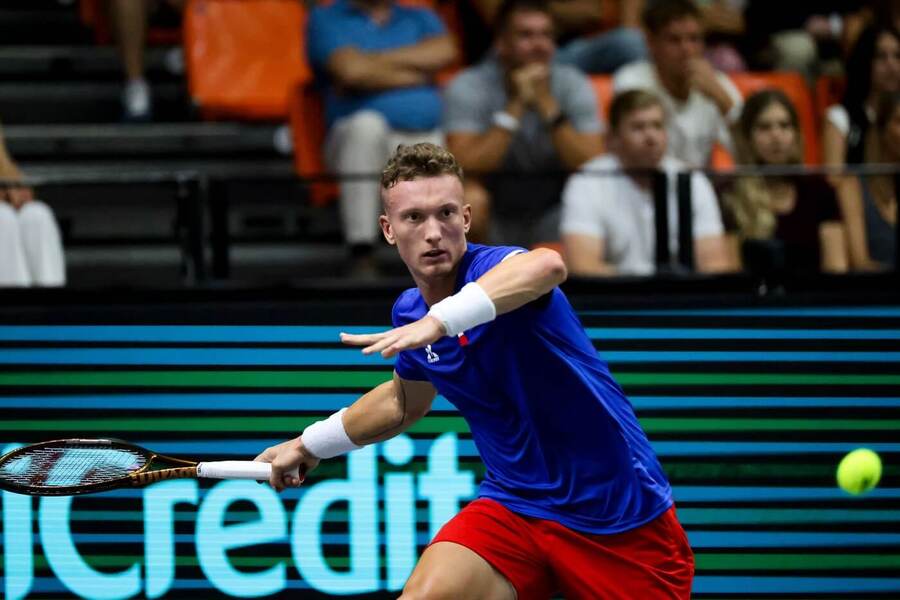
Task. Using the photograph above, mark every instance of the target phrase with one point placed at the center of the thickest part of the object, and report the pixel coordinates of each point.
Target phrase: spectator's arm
(577, 138)
(850, 202)
(479, 153)
(834, 145)
(576, 16)
(832, 247)
(575, 148)
(584, 255)
(357, 70)
(720, 17)
(630, 12)
(712, 254)
(428, 56)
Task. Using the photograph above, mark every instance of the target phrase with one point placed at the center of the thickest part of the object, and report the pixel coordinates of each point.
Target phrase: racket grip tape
(148, 477)
(235, 469)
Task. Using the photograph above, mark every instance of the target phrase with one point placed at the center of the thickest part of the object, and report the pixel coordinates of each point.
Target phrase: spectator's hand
(529, 81)
(703, 78)
(291, 461)
(18, 196)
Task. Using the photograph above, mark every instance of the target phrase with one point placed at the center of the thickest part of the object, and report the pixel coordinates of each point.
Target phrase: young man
(515, 121)
(702, 102)
(608, 224)
(574, 498)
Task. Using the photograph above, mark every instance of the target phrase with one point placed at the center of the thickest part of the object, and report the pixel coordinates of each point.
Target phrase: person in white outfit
(30, 245)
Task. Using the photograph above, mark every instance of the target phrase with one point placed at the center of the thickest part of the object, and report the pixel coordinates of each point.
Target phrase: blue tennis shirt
(558, 436)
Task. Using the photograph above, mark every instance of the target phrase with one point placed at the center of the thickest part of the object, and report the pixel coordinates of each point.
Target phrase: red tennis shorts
(540, 557)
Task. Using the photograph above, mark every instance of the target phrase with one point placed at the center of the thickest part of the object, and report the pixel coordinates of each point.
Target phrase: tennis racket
(74, 466)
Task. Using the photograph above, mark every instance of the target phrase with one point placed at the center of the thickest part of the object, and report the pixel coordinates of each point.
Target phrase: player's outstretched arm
(385, 411)
(513, 283)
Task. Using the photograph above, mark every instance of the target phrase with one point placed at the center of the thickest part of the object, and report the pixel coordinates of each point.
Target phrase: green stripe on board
(789, 562)
(239, 379)
(258, 424)
(429, 424)
(363, 379)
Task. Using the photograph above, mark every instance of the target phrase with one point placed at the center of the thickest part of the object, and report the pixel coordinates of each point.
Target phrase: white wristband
(465, 309)
(328, 438)
(504, 120)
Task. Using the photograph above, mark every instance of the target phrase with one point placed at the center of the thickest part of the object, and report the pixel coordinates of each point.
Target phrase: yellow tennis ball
(859, 471)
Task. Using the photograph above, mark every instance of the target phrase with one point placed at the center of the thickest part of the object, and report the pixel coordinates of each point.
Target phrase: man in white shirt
(608, 224)
(702, 103)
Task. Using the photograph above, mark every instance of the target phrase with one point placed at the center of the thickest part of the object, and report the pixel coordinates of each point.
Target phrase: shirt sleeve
(430, 23)
(489, 258)
(464, 107)
(581, 207)
(324, 35)
(707, 217)
(837, 116)
(581, 105)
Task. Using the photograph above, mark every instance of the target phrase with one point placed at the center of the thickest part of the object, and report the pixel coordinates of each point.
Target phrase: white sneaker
(136, 100)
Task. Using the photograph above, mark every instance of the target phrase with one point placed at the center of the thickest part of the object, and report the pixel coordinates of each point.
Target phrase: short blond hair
(419, 160)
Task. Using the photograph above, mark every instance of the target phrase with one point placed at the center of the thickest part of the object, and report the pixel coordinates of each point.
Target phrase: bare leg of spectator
(129, 20)
(357, 145)
(13, 269)
(42, 244)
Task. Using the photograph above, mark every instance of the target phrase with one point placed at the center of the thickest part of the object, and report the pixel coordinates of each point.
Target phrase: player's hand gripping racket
(74, 466)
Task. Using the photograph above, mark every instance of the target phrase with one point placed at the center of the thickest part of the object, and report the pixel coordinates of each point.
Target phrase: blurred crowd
(564, 113)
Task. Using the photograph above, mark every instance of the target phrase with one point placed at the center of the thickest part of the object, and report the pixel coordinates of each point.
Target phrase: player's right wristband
(328, 438)
(465, 309)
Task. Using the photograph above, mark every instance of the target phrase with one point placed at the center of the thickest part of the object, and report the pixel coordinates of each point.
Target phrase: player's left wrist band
(469, 307)
(328, 438)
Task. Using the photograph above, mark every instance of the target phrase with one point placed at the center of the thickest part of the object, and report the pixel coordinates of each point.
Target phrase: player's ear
(467, 217)
(387, 230)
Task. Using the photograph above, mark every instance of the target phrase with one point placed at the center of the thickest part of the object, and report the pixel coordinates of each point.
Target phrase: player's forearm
(384, 413)
(428, 56)
(523, 278)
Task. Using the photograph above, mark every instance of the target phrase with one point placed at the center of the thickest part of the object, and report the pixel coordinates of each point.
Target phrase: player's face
(676, 45)
(773, 137)
(528, 38)
(427, 221)
(640, 139)
(886, 64)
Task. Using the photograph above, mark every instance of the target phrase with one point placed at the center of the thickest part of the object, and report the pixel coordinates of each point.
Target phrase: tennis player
(574, 499)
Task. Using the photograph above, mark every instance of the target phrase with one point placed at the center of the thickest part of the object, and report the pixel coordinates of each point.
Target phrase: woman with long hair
(797, 214)
(873, 69)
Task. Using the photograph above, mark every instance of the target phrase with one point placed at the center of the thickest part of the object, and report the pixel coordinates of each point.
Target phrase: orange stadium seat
(795, 87)
(603, 89)
(244, 59)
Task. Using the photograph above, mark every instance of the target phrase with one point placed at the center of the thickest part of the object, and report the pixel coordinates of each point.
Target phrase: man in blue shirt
(573, 499)
(375, 62)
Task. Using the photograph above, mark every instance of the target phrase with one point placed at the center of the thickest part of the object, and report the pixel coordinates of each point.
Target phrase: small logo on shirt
(431, 354)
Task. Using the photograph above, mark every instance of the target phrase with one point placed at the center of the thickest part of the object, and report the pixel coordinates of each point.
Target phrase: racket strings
(64, 466)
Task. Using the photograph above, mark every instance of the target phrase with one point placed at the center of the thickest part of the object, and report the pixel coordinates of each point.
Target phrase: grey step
(34, 25)
(37, 63)
(58, 142)
(72, 102)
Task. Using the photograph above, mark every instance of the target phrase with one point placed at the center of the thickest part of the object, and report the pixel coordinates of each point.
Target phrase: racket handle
(235, 469)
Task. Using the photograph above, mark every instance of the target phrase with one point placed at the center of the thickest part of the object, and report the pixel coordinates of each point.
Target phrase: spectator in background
(608, 224)
(517, 113)
(595, 36)
(30, 247)
(879, 206)
(129, 21)
(787, 224)
(376, 61)
(873, 70)
(701, 102)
